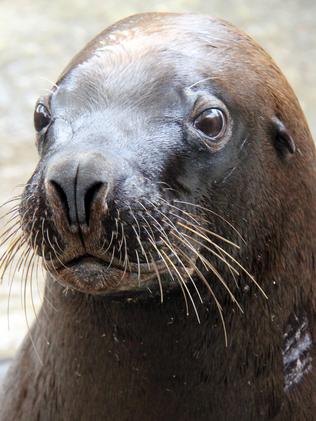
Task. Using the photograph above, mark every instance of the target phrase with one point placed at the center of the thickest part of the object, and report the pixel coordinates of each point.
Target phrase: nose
(75, 184)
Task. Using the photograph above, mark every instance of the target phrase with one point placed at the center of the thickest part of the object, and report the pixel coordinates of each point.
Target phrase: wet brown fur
(143, 360)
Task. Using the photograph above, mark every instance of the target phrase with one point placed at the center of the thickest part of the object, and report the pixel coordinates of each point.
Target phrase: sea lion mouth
(92, 274)
(114, 263)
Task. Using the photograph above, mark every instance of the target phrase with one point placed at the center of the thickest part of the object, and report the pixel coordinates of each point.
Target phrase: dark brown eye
(41, 117)
(212, 123)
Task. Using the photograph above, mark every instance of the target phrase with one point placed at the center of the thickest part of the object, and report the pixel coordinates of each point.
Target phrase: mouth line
(114, 263)
(95, 274)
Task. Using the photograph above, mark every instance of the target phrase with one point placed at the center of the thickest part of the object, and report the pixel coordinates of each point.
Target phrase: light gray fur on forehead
(120, 49)
(297, 359)
(118, 75)
(128, 75)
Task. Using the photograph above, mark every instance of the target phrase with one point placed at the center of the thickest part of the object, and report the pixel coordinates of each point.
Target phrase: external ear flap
(283, 140)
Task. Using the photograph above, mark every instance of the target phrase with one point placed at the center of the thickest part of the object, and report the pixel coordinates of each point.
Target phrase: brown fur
(138, 359)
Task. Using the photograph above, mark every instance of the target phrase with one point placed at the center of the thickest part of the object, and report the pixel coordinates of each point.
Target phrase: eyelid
(44, 100)
(205, 110)
(204, 103)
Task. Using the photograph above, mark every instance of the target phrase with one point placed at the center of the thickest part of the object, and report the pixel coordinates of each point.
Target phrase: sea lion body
(174, 203)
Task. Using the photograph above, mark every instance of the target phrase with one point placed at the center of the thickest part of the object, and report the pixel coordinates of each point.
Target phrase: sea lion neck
(155, 359)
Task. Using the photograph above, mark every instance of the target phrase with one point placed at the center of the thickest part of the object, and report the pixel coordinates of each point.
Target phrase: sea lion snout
(75, 184)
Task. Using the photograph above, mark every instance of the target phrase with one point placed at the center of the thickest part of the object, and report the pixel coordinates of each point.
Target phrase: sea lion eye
(212, 123)
(42, 117)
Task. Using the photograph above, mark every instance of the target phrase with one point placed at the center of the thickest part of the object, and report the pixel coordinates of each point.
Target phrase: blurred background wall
(38, 38)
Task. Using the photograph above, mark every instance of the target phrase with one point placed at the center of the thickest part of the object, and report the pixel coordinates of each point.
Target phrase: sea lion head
(167, 152)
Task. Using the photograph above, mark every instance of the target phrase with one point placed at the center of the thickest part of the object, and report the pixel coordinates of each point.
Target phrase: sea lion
(174, 209)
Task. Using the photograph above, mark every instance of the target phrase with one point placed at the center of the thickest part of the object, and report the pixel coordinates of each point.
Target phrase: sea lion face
(147, 154)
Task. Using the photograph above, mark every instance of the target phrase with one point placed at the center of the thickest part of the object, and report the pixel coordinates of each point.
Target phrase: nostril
(89, 198)
(62, 198)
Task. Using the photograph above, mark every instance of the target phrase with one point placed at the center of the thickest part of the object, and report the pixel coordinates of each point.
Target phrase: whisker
(13, 211)
(163, 232)
(29, 331)
(19, 243)
(242, 268)
(111, 260)
(230, 270)
(181, 280)
(25, 261)
(206, 263)
(126, 260)
(214, 213)
(172, 277)
(177, 208)
(12, 199)
(172, 249)
(183, 283)
(198, 225)
(212, 268)
(11, 279)
(138, 267)
(8, 256)
(10, 235)
(204, 280)
(213, 252)
(109, 246)
(50, 242)
(141, 246)
(57, 244)
(55, 253)
(158, 277)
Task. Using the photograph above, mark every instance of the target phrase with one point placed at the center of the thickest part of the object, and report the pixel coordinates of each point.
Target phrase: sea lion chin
(176, 165)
